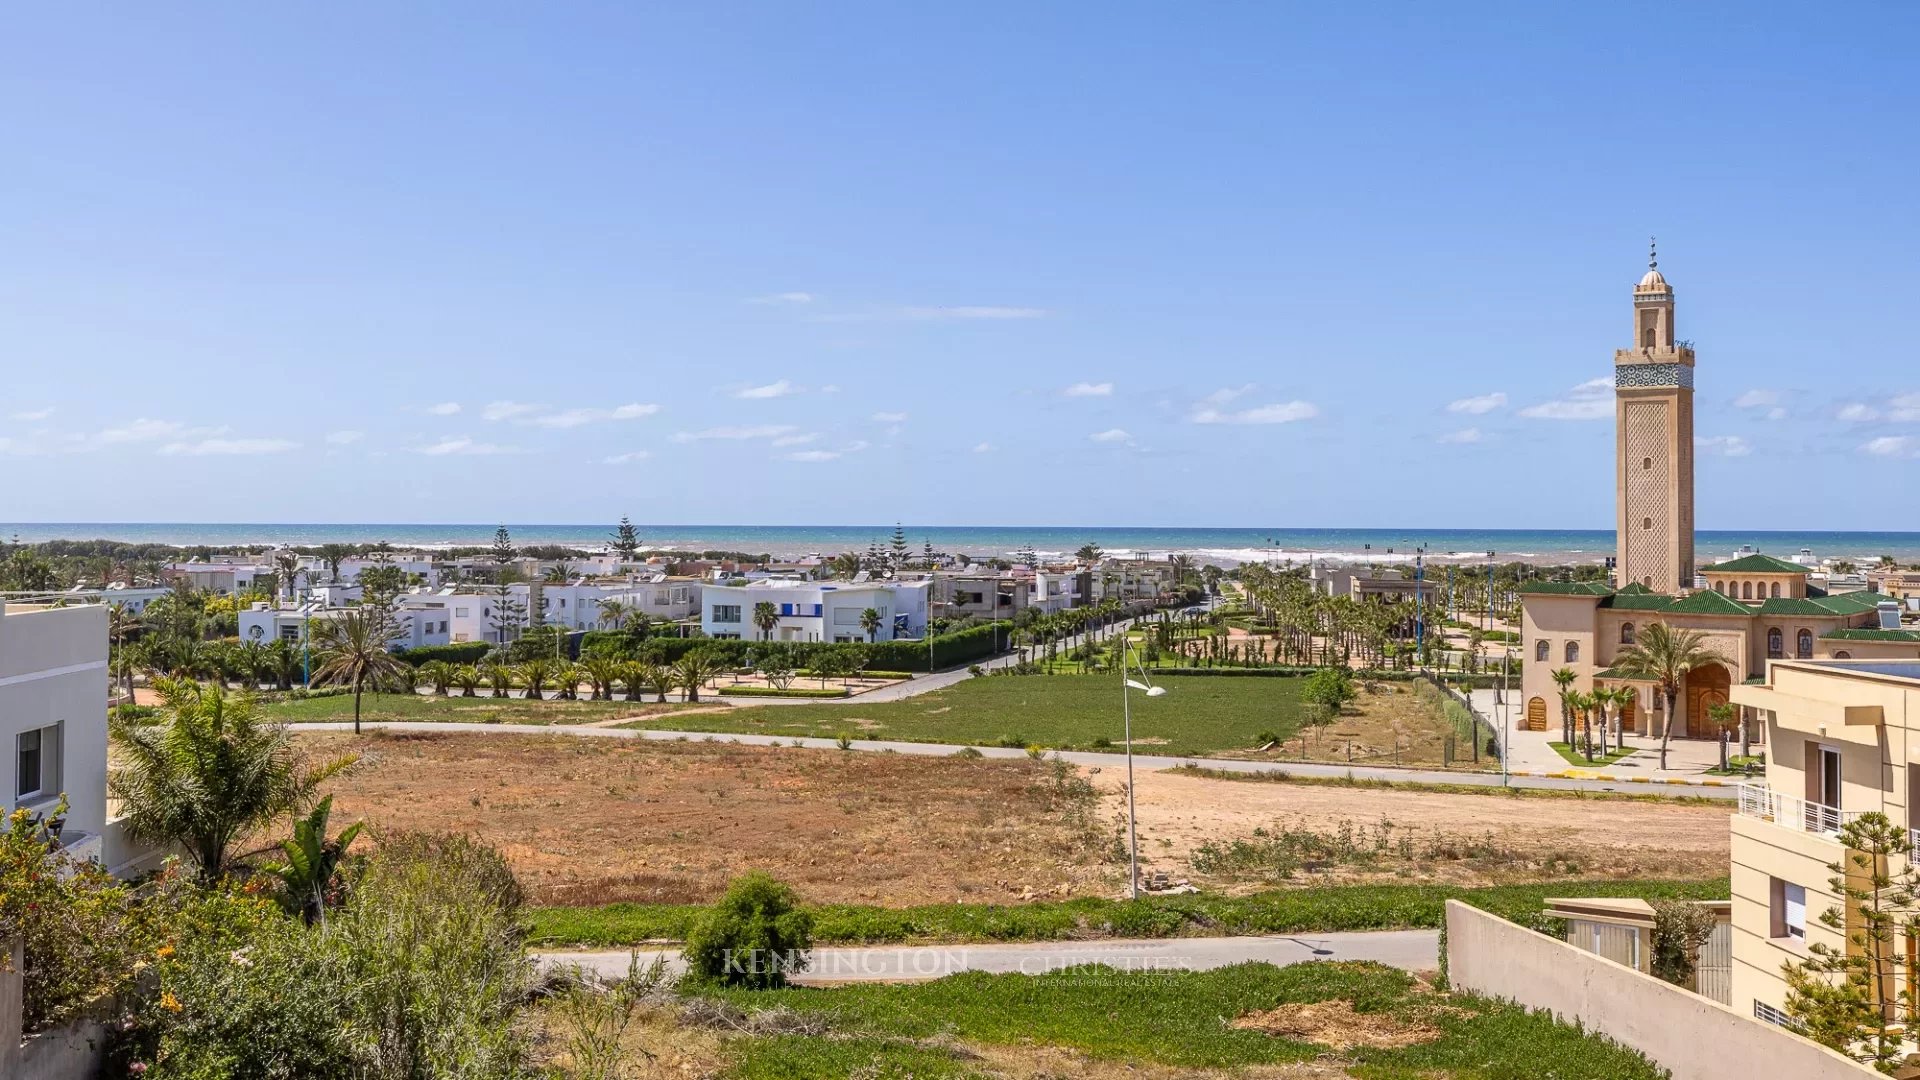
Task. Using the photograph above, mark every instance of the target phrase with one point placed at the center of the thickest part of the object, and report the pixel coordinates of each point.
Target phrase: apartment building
(53, 716)
(1845, 740)
(816, 611)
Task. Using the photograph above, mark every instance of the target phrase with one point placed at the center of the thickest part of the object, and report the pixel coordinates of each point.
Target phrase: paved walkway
(1077, 757)
(1688, 760)
(1408, 950)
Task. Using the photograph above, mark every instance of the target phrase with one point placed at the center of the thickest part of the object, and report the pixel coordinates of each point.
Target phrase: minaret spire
(1653, 253)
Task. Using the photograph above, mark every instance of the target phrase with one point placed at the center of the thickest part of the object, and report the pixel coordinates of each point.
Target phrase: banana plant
(312, 862)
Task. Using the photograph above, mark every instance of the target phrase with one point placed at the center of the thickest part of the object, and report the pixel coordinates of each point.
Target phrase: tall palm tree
(765, 618)
(1663, 655)
(615, 612)
(353, 651)
(870, 622)
(211, 772)
(286, 570)
(1564, 679)
(122, 621)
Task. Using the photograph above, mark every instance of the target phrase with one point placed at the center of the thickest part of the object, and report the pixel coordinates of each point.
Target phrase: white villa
(816, 610)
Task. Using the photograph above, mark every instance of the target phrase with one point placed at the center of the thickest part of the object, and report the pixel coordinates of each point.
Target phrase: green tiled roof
(1787, 605)
(1709, 602)
(1853, 603)
(1619, 676)
(1633, 587)
(1869, 633)
(1565, 588)
(1640, 601)
(1755, 564)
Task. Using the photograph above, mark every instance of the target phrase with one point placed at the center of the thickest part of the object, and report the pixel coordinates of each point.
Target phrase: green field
(1198, 715)
(1176, 1019)
(468, 710)
(1281, 911)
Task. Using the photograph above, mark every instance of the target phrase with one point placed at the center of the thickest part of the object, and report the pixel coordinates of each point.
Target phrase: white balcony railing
(1759, 801)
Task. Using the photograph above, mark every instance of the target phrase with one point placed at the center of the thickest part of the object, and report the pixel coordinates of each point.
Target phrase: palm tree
(352, 650)
(646, 674)
(1564, 679)
(1663, 656)
(439, 674)
(211, 772)
(870, 622)
(286, 571)
(468, 678)
(333, 555)
(313, 861)
(499, 677)
(122, 621)
(566, 680)
(765, 618)
(694, 667)
(615, 612)
(558, 574)
(601, 672)
(535, 673)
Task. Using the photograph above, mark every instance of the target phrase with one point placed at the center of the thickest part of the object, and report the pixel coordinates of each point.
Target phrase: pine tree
(899, 546)
(626, 539)
(503, 549)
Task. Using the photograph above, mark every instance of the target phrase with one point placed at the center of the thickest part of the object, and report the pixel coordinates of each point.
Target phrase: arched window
(1647, 338)
(1646, 464)
(1843, 655)
(1573, 652)
(1646, 523)
(1775, 590)
(1720, 587)
(1746, 590)
(1776, 643)
(1540, 650)
(1803, 644)
(1626, 633)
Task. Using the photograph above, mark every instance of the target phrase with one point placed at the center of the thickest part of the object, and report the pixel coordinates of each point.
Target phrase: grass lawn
(1372, 1020)
(1283, 911)
(1737, 765)
(484, 710)
(1198, 715)
(1574, 756)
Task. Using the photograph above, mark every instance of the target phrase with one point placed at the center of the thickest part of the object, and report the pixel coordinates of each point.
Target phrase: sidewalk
(1688, 760)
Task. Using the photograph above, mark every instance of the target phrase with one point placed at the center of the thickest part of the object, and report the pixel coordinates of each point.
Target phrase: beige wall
(53, 669)
(1558, 619)
(1695, 1037)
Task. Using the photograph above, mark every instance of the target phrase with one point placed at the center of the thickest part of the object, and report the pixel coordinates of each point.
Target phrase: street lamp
(1146, 686)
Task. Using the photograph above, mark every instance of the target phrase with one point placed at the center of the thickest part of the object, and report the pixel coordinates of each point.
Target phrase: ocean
(1219, 545)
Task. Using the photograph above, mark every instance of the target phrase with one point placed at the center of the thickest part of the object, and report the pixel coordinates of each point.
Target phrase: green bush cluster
(752, 938)
(460, 652)
(892, 657)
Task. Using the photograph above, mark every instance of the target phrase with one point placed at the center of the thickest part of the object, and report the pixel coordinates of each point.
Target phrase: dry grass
(593, 821)
(1336, 1025)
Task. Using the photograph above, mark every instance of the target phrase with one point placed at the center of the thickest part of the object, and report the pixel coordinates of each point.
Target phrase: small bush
(968, 752)
(843, 740)
(1268, 736)
(752, 938)
(1101, 742)
(459, 652)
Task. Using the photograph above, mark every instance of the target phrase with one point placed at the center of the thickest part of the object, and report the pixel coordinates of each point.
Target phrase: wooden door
(1537, 714)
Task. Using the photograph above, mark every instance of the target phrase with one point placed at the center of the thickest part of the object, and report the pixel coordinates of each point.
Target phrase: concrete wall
(1696, 1038)
(73, 1051)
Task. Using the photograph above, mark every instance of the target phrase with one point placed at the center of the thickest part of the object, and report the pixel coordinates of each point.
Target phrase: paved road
(1409, 950)
(1078, 757)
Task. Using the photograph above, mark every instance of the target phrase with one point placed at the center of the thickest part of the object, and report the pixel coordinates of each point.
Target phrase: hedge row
(460, 652)
(774, 691)
(948, 650)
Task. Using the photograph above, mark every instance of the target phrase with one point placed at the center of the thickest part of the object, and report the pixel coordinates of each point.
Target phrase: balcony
(1759, 801)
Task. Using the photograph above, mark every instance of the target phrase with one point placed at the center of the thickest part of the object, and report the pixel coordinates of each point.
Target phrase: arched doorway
(1537, 714)
(1629, 713)
(1706, 687)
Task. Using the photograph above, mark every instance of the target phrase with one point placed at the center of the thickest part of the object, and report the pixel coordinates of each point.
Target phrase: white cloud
(1904, 408)
(1591, 400)
(750, 431)
(572, 418)
(461, 445)
(983, 448)
(1722, 445)
(507, 410)
(1463, 436)
(1754, 399)
(1089, 389)
(1485, 403)
(1282, 412)
(783, 298)
(796, 440)
(1776, 414)
(627, 458)
(1111, 435)
(30, 417)
(1858, 413)
(826, 455)
(445, 408)
(778, 389)
(345, 438)
(1892, 446)
(889, 418)
(973, 312)
(229, 447)
(145, 430)
(1227, 393)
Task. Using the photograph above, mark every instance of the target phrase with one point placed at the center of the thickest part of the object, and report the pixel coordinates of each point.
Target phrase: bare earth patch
(1335, 1024)
(593, 821)
(1178, 814)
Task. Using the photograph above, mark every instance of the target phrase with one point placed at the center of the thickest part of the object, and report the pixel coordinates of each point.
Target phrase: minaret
(1653, 415)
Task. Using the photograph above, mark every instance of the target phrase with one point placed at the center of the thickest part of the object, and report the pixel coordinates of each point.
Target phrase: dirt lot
(1536, 837)
(591, 821)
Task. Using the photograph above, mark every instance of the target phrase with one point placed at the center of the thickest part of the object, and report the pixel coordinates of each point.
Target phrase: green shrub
(968, 752)
(459, 652)
(789, 692)
(752, 938)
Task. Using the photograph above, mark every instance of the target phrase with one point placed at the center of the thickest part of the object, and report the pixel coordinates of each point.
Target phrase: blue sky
(1012, 264)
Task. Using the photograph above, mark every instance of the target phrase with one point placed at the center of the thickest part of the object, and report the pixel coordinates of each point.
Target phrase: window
(1787, 910)
(1540, 650)
(1626, 633)
(1803, 644)
(1776, 643)
(1646, 464)
(1774, 590)
(1843, 655)
(1646, 523)
(460, 612)
(726, 613)
(1573, 652)
(1746, 590)
(36, 763)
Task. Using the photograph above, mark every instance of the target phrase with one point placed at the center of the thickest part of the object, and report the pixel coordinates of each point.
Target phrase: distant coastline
(1218, 545)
